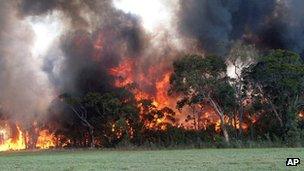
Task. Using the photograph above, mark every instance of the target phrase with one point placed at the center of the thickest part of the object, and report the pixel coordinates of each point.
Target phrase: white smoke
(25, 91)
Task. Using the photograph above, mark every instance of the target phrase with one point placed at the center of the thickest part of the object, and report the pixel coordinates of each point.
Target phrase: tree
(240, 56)
(279, 78)
(154, 118)
(81, 112)
(105, 115)
(116, 117)
(203, 81)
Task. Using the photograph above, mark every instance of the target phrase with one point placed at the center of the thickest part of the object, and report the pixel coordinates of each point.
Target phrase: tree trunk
(32, 138)
(221, 115)
(241, 113)
(272, 106)
(235, 118)
(225, 132)
(92, 145)
(195, 118)
(238, 88)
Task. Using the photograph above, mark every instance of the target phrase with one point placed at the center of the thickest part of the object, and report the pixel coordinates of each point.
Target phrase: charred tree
(82, 114)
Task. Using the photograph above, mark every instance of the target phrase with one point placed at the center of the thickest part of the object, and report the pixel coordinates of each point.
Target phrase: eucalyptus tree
(203, 81)
(279, 79)
(240, 57)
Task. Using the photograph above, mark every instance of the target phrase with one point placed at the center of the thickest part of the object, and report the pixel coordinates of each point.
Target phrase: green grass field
(195, 159)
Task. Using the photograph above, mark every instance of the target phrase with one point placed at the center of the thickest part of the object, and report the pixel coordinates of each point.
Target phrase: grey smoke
(27, 86)
(24, 88)
(216, 24)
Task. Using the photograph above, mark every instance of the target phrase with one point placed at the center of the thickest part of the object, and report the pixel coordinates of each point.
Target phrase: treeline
(258, 99)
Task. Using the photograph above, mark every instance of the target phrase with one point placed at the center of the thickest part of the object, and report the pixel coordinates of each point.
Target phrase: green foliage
(174, 137)
(225, 95)
(203, 81)
(198, 78)
(194, 71)
(102, 112)
(279, 72)
(274, 87)
(277, 81)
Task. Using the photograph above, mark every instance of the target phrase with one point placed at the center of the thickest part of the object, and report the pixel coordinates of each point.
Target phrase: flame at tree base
(12, 144)
(45, 140)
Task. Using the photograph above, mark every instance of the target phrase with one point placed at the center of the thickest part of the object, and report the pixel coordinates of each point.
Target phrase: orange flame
(162, 87)
(21, 139)
(45, 140)
(234, 123)
(123, 73)
(158, 79)
(12, 144)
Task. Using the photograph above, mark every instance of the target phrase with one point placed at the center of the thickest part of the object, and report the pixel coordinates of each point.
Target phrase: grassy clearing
(194, 159)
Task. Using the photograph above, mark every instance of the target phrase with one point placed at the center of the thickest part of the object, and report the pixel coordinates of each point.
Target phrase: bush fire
(106, 73)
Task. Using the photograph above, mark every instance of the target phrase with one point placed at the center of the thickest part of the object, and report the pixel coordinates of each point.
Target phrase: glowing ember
(218, 126)
(234, 123)
(254, 119)
(117, 131)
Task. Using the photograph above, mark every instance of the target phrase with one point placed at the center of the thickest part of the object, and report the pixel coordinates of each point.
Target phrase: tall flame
(157, 79)
(19, 141)
(12, 144)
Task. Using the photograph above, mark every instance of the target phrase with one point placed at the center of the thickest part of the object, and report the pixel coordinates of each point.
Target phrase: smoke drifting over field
(96, 37)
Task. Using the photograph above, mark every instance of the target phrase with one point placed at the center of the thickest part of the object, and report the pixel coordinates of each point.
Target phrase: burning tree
(106, 116)
(276, 81)
(93, 50)
(203, 81)
(154, 118)
(240, 57)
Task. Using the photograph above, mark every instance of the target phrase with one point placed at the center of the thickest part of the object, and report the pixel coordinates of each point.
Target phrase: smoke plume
(25, 90)
(96, 37)
(216, 24)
